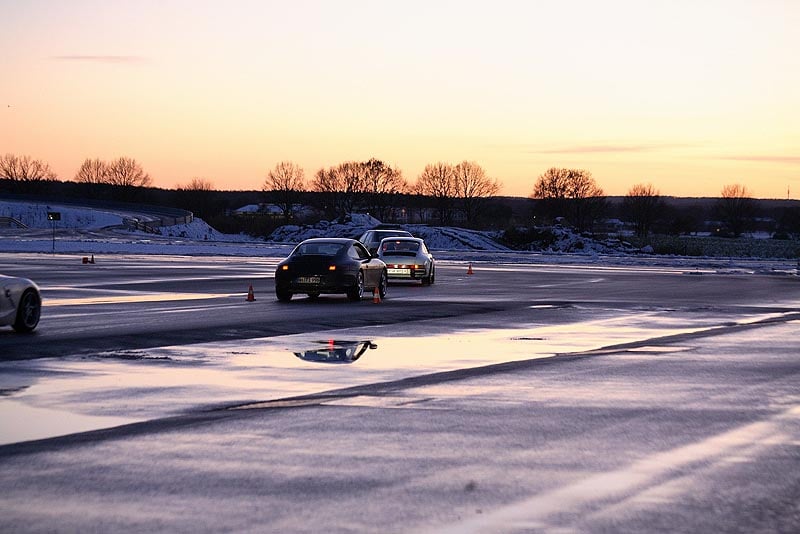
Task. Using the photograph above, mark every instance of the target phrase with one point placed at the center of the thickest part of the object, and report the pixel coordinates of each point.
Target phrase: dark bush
(527, 238)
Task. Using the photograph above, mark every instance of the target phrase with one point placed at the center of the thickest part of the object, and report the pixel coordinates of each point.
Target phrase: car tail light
(331, 267)
(284, 268)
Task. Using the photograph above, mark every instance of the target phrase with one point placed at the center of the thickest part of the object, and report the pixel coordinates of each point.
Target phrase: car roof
(328, 240)
(339, 240)
(402, 238)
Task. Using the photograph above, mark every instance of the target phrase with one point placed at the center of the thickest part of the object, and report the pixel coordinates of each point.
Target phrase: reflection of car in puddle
(335, 351)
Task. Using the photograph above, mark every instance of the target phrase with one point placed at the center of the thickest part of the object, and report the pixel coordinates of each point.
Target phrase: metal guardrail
(9, 222)
(153, 226)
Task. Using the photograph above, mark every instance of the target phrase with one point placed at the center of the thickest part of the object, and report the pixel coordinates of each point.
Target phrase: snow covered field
(90, 231)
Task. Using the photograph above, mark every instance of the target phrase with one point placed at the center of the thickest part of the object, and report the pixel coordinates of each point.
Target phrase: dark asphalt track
(691, 424)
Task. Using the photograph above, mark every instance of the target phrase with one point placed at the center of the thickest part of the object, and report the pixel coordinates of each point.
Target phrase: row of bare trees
(24, 169)
(464, 185)
(574, 195)
(123, 172)
(369, 185)
(374, 185)
(735, 210)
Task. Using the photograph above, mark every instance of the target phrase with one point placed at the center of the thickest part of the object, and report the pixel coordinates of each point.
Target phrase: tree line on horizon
(567, 196)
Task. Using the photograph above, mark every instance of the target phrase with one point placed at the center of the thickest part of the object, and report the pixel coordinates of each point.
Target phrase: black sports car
(333, 265)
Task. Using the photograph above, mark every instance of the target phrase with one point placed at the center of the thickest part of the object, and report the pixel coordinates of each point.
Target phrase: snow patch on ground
(351, 226)
(199, 230)
(437, 238)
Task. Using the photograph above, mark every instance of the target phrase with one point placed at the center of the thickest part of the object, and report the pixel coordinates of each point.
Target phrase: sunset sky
(687, 95)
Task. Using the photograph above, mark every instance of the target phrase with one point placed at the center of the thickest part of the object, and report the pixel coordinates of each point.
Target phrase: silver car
(20, 303)
(407, 258)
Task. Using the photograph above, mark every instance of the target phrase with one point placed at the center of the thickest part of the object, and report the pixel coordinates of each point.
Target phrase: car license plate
(308, 279)
(399, 271)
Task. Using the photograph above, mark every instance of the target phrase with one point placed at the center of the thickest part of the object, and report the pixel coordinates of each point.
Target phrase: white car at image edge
(20, 303)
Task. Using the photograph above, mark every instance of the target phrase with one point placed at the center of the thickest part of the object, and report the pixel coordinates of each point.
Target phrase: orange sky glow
(686, 95)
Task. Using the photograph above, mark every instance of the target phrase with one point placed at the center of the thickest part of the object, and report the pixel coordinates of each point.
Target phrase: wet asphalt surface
(518, 399)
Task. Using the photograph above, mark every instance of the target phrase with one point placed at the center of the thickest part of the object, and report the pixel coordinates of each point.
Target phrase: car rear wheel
(357, 291)
(283, 295)
(428, 280)
(28, 311)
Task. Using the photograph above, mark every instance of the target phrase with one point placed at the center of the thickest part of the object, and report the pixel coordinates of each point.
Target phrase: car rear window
(399, 247)
(320, 249)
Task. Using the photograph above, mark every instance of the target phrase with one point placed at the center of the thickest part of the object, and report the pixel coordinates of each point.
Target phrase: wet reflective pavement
(693, 432)
(47, 397)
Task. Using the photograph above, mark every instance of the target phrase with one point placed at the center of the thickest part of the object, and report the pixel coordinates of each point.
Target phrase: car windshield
(320, 248)
(399, 248)
(377, 236)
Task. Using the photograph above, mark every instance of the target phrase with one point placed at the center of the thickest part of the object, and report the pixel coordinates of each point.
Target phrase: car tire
(29, 311)
(383, 284)
(357, 291)
(428, 280)
(283, 295)
(313, 296)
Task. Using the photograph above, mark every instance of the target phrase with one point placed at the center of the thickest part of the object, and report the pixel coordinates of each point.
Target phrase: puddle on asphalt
(112, 388)
(21, 422)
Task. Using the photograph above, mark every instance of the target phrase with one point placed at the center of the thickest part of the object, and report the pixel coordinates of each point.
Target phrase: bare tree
(570, 193)
(735, 209)
(352, 177)
(382, 183)
(472, 188)
(641, 206)
(126, 172)
(284, 185)
(326, 181)
(197, 184)
(438, 181)
(24, 169)
(92, 171)
(198, 197)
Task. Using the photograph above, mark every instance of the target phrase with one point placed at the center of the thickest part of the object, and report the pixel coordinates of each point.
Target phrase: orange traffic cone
(376, 296)
(92, 260)
(469, 269)
(251, 297)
